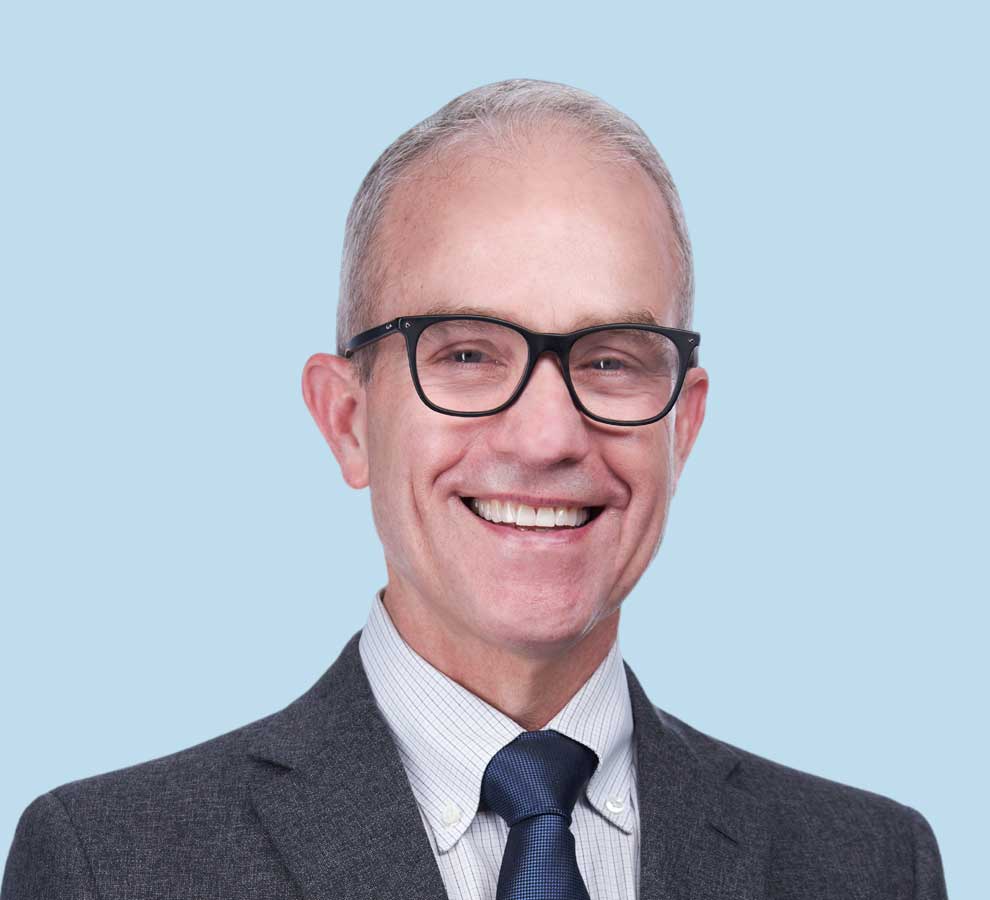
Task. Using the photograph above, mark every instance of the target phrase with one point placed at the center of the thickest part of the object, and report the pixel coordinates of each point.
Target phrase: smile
(531, 518)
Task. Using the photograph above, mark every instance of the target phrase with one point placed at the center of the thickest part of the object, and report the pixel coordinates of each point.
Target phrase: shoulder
(201, 783)
(184, 822)
(182, 788)
(185, 777)
(812, 818)
(793, 793)
(72, 835)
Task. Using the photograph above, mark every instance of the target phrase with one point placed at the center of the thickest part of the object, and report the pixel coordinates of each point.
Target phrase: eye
(607, 364)
(465, 355)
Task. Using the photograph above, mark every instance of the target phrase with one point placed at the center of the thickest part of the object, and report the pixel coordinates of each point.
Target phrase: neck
(530, 687)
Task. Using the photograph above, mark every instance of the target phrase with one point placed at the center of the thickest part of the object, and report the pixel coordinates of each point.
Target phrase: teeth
(546, 517)
(526, 515)
(510, 513)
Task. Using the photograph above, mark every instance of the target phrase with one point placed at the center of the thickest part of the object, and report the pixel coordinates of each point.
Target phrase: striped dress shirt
(446, 735)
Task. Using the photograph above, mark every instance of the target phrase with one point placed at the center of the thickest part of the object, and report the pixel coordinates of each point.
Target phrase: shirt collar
(446, 735)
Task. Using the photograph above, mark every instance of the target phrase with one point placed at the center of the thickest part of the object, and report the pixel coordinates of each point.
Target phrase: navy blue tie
(533, 783)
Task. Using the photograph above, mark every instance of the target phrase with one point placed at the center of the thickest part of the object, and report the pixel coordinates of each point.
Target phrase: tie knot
(538, 773)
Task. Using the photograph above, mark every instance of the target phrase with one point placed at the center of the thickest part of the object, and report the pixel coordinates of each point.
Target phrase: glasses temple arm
(364, 338)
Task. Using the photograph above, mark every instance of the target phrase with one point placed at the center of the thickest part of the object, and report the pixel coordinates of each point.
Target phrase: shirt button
(451, 813)
(615, 804)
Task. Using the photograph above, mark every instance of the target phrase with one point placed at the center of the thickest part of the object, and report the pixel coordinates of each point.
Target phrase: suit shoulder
(822, 830)
(205, 783)
(187, 777)
(800, 796)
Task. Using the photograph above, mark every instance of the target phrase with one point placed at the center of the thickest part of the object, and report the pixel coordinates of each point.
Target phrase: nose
(544, 426)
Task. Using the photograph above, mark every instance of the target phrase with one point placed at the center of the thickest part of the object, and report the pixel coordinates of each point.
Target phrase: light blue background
(180, 554)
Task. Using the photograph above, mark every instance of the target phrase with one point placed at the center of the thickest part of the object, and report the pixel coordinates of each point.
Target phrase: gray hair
(495, 112)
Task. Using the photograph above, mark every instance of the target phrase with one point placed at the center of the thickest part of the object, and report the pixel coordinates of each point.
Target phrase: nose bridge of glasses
(556, 346)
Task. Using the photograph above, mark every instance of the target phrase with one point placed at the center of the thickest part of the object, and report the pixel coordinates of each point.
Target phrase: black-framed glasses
(468, 365)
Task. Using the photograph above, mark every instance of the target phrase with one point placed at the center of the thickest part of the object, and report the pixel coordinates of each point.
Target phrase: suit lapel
(334, 797)
(700, 837)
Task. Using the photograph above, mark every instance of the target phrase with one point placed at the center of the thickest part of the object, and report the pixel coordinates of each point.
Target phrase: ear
(688, 416)
(338, 405)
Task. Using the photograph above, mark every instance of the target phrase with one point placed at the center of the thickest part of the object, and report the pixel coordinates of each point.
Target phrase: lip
(550, 537)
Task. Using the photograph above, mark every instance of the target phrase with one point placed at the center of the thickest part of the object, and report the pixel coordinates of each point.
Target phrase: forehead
(549, 235)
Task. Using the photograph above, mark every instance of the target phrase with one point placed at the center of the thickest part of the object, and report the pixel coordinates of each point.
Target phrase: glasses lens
(626, 374)
(469, 366)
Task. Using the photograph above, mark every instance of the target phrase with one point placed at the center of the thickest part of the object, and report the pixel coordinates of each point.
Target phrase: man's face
(550, 239)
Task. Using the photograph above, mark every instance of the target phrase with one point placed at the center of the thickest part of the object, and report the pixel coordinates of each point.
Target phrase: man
(481, 737)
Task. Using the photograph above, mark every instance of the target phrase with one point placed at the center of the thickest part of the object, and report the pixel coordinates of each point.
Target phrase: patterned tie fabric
(533, 783)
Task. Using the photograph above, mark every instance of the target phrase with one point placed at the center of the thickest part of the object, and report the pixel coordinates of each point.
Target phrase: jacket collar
(332, 793)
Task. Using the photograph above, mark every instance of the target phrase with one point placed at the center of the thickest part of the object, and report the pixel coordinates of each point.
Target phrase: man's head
(542, 205)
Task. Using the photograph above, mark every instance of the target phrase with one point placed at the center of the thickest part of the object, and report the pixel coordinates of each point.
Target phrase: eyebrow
(634, 316)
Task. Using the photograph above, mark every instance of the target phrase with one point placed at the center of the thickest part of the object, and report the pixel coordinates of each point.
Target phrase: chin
(554, 616)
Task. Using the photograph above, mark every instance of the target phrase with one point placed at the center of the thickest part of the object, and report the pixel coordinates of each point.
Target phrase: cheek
(410, 447)
(644, 464)
(389, 461)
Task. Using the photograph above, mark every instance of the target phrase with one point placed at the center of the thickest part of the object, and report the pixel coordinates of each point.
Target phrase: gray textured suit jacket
(313, 802)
